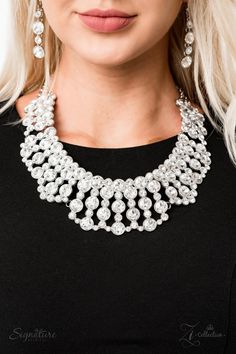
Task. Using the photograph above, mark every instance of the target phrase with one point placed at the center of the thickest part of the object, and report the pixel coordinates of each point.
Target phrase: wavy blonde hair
(210, 82)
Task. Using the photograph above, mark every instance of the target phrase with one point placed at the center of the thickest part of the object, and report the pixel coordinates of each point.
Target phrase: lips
(106, 13)
(106, 20)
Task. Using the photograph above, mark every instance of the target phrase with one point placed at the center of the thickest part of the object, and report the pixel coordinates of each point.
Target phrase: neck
(116, 106)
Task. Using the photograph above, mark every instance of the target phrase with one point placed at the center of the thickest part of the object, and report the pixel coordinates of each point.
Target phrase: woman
(124, 113)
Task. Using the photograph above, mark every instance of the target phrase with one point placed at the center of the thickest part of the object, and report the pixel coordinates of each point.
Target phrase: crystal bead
(50, 131)
(38, 13)
(171, 192)
(38, 40)
(97, 182)
(89, 212)
(189, 38)
(186, 61)
(65, 190)
(195, 164)
(72, 216)
(118, 206)
(84, 185)
(153, 186)
(188, 50)
(45, 144)
(51, 188)
(200, 148)
(103, 213)
(118, 228)
(164, 217)
(38, 52)
(37, 172)
(133, 214)
(50, 174)
(134, 224)
(193, 133)
(118, 195)
(118, 185)
(130, 192)
(145, 203)
(184, 178)
(86, 223)
(157, 196)
(196, 178)
(131, 203)
(140, 182)
(92, 202)
(106, 192)
(149, 224)
(76, 205)
(184, 191)
(38, 158)
(189, 24)
(118, 217)
(38, 27)
(94, 192)
(56, 147)
(147, 213)
(142, 192)
(161, 206)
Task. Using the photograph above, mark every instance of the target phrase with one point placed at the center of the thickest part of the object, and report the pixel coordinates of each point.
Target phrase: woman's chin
(111, 59)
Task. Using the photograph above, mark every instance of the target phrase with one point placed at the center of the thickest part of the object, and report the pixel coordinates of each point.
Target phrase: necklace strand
(117, 206)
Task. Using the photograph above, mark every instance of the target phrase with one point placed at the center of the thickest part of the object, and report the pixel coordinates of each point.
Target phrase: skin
(113, 89)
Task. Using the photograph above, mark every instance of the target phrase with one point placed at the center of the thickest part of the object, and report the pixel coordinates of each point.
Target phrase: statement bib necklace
(117, 206)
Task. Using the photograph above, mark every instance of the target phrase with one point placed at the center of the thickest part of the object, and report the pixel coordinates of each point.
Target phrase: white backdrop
(4, 6)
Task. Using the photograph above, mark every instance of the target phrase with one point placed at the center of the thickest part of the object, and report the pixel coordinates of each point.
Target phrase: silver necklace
(117, 206)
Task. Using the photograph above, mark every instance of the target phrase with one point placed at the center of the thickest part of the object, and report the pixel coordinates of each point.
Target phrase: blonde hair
(210, 82)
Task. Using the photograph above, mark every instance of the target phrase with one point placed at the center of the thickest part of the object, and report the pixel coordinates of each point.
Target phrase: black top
(65, 290)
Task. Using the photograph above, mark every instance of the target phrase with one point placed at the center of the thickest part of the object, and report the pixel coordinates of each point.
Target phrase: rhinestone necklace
(117, 206)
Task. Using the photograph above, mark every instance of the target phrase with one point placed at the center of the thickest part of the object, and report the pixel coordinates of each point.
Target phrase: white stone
(153, 186)
(38, 27)
(92, 202)
(145, 203)
(189, 38)
(171, 192)
(38, 52)
(50, 174)
(188, 50)
(149, 224)
(186, 61)
(118, 206)
(51, 188)
(103, 213)
(161, 206)
(76, 205)
(133, 214)
(65, 190)
(84, 185)
(130, 192)
(106, 192)
(37, 172)
(38, 40)
(86, 223)
(118, 228)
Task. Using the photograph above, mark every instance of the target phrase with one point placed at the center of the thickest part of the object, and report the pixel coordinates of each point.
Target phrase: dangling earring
(38, 29)
(189, 39)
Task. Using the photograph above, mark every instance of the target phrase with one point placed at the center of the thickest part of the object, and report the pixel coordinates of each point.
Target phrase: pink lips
(106, 20)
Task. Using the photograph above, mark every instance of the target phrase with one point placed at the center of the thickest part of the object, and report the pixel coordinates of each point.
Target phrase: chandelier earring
(38, 30)
(187, 60)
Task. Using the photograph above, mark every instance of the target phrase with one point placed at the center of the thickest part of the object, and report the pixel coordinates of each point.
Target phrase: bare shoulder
(23, 101)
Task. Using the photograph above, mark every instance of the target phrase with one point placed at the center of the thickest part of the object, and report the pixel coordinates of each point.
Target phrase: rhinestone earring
(189, 39)
(38, 29)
